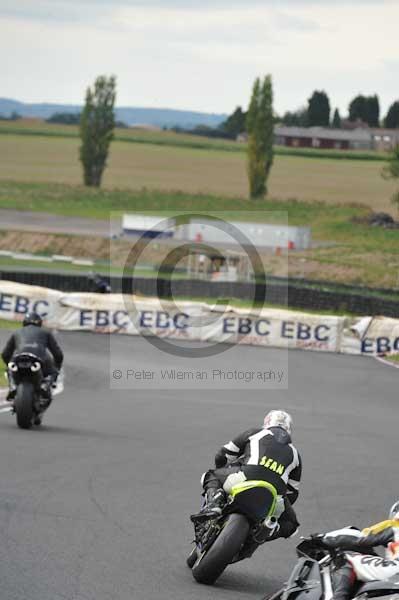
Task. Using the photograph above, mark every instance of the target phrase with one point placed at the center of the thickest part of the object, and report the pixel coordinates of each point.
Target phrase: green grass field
(34, 127)
(76, 200)
(134, 166)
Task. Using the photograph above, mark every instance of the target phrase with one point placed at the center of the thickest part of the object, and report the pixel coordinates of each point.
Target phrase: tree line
(67, 118)
(13, 117)
(318, 112)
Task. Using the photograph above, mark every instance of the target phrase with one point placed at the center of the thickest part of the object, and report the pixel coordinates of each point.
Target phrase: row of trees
(13, 117)
(318, 112)
(67, 118)
(361, 108)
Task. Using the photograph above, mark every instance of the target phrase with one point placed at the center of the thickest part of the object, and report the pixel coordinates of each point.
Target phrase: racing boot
(45, 392)
(37, 420)
(12, 390)
(215, 500)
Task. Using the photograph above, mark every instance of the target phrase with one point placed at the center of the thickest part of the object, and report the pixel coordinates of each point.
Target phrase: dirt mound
(48, 244)
(379, 219)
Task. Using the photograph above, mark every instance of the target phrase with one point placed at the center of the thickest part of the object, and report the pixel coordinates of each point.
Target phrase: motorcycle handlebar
(311, 546)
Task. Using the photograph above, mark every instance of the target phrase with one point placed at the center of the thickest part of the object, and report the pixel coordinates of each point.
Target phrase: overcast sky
(199, 54)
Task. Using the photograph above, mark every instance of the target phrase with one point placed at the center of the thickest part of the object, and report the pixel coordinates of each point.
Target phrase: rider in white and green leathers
(258, 454)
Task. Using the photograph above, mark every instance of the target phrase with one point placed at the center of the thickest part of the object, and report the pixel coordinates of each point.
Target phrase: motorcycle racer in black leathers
(34, 339)
(262, 453)
(361, 566)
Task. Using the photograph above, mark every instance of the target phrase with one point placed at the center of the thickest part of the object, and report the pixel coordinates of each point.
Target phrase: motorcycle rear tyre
(210, 565)
(23, 404)
(192, 558)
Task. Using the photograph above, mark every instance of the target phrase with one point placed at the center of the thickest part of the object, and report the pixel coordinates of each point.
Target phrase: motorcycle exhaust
(271, 523)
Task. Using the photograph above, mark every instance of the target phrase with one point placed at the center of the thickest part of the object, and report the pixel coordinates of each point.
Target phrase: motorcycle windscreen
(379, 588)
(255, 503)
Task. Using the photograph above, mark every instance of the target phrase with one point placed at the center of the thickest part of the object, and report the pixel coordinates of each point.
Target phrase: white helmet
(394, 512)
(278, 418)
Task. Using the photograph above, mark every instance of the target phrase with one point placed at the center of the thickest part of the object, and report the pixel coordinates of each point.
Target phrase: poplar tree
(260, 129)
(97, 129)
(391, 171)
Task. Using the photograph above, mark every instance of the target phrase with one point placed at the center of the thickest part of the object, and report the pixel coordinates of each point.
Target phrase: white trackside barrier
(114, 313)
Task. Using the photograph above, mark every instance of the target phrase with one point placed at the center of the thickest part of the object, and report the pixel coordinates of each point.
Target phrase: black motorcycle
(29, 403)
(312, 576)
(246, 521)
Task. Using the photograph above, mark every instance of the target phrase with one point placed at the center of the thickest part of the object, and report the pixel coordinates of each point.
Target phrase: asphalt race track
(21, 220)
(95, 504)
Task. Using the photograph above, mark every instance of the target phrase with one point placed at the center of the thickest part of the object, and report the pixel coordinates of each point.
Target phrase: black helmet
(32, 318)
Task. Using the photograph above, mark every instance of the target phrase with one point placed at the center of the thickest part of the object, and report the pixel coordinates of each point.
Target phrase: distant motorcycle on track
(33, 391)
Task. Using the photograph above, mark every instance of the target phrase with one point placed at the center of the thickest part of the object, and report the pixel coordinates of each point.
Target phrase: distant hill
(160, 117)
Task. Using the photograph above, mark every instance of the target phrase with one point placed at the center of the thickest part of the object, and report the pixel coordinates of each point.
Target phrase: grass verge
(4, 324)
(3, 380)
(37, 265)
(79, 201)
(345, 251)
(394, 358)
